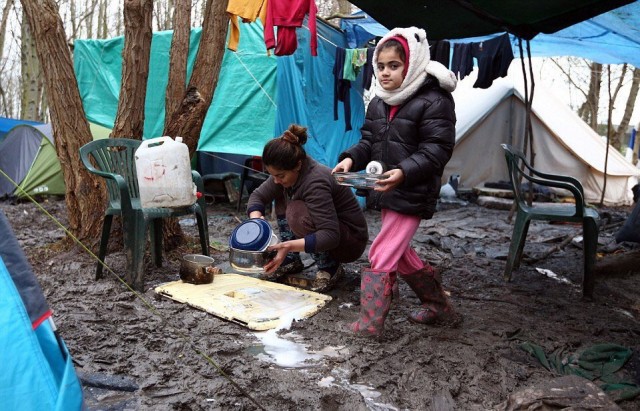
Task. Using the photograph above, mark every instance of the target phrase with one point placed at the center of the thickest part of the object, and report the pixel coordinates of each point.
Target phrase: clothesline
(336, 46)
(322, 37)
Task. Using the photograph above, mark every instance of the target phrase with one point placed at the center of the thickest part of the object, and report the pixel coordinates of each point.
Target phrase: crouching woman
(315, 214)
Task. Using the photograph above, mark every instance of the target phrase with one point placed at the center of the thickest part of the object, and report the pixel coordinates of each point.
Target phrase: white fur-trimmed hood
(420, 65)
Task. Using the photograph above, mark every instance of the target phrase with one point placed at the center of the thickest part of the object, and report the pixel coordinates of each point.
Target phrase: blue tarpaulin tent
(249, 105)
(37, 370)
(243, 102)
(610, 38)
(306, 96)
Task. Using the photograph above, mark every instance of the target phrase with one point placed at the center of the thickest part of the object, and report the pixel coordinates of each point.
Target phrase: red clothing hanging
(287, 15)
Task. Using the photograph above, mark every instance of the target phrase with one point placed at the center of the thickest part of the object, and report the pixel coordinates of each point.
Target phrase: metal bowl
(251, 262)
(358, 180)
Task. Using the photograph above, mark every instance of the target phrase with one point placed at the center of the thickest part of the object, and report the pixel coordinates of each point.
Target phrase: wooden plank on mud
(495, 202)
(493, 192)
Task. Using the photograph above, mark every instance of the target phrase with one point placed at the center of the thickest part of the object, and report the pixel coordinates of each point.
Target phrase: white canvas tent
(563, 143)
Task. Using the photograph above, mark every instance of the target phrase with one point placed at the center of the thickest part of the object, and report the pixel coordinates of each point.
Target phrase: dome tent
(28, 156)
(6, 124)
(37, 368)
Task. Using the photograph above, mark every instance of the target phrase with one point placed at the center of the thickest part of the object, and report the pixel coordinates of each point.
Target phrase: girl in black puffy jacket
(410, 128)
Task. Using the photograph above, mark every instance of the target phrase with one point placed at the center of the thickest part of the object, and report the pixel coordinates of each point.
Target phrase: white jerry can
(164, 173)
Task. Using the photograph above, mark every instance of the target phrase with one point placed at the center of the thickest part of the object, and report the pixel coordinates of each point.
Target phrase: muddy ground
(150, 361)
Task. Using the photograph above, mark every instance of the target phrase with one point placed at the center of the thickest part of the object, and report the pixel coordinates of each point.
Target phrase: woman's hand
(282, 249)
(256, 214)
(396, 177)
(343, 166)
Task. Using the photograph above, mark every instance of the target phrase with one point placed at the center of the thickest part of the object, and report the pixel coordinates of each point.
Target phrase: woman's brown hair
(286, 151)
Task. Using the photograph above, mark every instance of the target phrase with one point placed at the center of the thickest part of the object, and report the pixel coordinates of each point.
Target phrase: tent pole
(609, 127)
(530, 106)
(528, 99)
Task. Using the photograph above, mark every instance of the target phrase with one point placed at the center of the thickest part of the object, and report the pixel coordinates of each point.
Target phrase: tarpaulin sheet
(241, 116)
(250, 105)
(306, 96)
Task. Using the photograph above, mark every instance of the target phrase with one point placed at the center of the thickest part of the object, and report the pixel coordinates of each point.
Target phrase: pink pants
(391, 249)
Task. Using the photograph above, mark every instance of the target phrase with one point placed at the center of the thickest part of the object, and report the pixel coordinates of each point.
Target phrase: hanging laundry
(494, 57)
(355, 59)
(440, 51)
(348, 63)
(248, 11)
(367, 71)
(341, 88)
(462, 60)
(287, 15)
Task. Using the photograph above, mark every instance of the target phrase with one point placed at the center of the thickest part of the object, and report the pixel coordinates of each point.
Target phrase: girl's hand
(282, 249)
(343, 166)
(256, 214)
(396, 177)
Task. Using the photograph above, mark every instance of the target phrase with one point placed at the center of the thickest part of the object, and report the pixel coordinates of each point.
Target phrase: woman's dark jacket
(419, 140)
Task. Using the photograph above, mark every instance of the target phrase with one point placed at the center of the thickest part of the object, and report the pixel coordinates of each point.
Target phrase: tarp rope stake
(184, 337)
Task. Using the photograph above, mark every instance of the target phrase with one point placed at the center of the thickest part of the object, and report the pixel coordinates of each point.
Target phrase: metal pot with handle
(197, 269)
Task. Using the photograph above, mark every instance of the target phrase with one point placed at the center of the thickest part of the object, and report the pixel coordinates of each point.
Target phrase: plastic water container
(164, 173)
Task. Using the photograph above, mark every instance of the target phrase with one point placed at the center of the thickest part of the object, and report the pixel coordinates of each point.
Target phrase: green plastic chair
(520, 169)
(114, 159)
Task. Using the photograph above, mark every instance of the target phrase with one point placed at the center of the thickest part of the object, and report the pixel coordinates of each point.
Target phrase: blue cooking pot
(251, 235)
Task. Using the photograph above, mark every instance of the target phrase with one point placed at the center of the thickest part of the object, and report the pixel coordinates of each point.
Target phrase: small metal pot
(197, 269)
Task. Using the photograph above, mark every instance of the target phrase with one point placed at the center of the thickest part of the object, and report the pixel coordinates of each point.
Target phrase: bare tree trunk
(589, 110)
(44, 104)
(103, 22)
(88, 19)
(119, 28)
(187, 121)
(178, 58)
(157, 14)
(73, 19)
(629, 106)
(3, 23)
(32, 84)
(135, 69)
(171, 10)
(609, 133)
(344, 7)
(85, 193)
(6, 109)
(188, 115)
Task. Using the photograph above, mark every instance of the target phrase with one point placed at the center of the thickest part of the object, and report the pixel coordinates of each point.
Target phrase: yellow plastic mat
(253, 303)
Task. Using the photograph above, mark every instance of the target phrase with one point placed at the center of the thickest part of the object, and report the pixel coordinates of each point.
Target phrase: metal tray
(358, 180)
